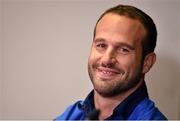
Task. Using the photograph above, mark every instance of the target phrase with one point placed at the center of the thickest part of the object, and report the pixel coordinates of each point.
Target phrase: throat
(106, 106)
(104, 114)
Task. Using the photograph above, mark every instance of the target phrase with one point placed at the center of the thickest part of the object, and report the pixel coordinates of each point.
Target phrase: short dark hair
(149, 42)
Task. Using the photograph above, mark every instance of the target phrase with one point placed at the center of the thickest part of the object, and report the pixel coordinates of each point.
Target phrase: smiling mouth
(108, 73)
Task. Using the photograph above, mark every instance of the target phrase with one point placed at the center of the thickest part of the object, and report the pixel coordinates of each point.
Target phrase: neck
(106, 105)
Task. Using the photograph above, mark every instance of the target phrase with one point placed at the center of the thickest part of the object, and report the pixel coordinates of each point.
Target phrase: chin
(114, 88)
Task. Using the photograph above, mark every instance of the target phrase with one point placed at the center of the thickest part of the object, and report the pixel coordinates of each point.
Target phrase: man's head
(149, 42)
(122, 50)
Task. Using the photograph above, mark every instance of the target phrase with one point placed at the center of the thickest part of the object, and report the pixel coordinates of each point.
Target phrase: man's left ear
(149, 61)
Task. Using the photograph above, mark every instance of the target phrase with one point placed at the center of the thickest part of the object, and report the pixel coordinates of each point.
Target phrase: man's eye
(124, 50)
(101, 45)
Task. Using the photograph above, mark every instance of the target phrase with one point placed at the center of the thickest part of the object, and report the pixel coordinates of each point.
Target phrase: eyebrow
(118, 44)
(99, 40)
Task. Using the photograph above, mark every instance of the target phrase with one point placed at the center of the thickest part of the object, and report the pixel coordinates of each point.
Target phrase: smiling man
(122, 53)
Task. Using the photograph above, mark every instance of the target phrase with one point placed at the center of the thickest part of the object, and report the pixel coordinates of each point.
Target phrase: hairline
(143, 38)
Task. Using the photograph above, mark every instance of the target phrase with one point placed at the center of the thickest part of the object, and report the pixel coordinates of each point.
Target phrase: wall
(0, 59)
(46, 46)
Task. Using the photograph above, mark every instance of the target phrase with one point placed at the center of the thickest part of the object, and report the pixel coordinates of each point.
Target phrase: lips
(107, 73)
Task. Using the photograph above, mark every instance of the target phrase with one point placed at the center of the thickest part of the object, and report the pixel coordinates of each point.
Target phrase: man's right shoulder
(73, 112)
(146, 110)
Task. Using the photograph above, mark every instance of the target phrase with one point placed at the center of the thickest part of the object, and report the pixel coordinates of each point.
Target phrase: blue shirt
(137, 106)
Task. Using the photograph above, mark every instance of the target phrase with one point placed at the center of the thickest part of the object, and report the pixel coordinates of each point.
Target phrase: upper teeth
(106, 72)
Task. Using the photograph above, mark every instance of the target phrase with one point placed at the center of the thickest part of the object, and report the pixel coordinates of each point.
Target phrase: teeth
(106, 72)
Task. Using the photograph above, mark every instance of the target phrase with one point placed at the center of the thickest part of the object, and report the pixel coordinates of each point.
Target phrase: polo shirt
(137, 106)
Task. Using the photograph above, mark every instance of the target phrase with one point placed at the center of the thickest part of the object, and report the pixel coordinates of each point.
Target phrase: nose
(109, 58)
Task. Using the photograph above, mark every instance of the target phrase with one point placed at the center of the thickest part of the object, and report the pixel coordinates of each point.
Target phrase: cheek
(93, 57)
(129, 64)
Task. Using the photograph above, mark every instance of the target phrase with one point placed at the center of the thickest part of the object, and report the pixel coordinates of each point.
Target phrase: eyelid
(100, 45)
(126, 46)
(99, 41)
(124, 49)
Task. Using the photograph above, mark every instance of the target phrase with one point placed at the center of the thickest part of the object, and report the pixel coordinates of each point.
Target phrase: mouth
(108, 73)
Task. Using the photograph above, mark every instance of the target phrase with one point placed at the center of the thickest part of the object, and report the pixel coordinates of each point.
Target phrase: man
(122, 53)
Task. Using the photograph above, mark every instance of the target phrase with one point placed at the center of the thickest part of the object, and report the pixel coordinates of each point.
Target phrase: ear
(149, 61)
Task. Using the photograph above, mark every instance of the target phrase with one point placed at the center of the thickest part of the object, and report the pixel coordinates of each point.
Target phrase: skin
(115, 63)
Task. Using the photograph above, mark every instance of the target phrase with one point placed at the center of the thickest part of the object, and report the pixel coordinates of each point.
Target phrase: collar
(125, 108)
(88, 103)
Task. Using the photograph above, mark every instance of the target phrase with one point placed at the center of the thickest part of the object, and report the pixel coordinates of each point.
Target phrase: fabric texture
(136, 106)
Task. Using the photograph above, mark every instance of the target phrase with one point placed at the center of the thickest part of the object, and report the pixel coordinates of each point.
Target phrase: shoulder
(146, 110)
(73, 112)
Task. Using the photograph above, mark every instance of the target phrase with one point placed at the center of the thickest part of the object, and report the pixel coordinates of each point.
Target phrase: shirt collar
(88, 104)
(125, 108)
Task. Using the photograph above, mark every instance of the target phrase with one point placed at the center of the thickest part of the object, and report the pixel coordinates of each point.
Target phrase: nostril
(107, 65)
(108, 61)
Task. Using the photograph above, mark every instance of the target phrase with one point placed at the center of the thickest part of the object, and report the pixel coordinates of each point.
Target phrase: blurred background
(44, 47)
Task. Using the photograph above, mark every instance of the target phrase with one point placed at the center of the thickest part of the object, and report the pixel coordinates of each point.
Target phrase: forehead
(114, 25)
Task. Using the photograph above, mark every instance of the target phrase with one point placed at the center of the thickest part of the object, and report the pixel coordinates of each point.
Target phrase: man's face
(115, 61)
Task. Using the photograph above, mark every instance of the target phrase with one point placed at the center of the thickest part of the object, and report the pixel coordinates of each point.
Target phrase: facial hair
(114, 88)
